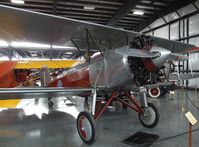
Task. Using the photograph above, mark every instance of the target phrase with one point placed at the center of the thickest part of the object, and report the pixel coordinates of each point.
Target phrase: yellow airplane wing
(36, 64)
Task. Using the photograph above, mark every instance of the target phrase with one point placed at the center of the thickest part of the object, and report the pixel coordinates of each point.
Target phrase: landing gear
(157, 92)
(150, 117)
(154, 92)
(50, 103)
(87, 104)
(86, 127)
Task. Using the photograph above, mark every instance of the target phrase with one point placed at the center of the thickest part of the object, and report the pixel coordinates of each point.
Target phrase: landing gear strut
(50, 103)
(147, 112)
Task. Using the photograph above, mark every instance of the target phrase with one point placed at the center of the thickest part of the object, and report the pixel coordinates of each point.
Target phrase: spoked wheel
(86, 127)
(150, 117)
(154, 92)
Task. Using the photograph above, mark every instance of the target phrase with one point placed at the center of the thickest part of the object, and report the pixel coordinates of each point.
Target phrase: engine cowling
(154, 64)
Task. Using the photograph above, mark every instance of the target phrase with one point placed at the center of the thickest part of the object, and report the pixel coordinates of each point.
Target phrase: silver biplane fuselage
(115, 68)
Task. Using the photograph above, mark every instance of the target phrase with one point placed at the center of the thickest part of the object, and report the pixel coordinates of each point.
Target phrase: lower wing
(44, 92)
(184, 76)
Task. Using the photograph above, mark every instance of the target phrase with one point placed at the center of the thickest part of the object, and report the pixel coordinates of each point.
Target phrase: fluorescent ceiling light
(136, 12)
(30, 45)
(62, 47)
(69, 53)
(89, 7)
(3, 43)
(18, 1)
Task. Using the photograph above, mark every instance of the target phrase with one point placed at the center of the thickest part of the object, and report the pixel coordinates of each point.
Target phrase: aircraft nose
(164, 55)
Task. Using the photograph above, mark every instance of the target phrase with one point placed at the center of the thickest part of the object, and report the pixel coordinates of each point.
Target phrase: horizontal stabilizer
(185, 76)
(178, 57)
(136, 53)
(159, 84)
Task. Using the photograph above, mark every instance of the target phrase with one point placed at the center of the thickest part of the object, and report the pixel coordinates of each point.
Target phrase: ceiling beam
(54, 7)
(177, 4)
(128, 6)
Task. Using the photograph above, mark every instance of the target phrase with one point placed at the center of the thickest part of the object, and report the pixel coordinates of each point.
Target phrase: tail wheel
(150, 117)
(86, 127)
(154, 92)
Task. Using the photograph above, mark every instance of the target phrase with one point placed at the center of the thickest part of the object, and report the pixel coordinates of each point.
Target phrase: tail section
(7, 76)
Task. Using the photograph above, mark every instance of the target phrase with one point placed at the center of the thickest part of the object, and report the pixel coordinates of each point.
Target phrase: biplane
(117, 62)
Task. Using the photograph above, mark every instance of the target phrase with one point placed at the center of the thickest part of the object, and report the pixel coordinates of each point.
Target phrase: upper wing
(23, 25)
(178, 57)
(136, 53)
(44, 92)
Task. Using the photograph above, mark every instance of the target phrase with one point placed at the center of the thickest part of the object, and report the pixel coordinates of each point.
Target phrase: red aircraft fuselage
(78, 78)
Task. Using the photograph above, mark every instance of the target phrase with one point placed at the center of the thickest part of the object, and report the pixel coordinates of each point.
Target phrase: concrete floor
(33, 124)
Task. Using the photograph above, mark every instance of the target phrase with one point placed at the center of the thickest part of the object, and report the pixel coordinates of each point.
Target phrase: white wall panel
(194, 61)
(194, 25)
(144, 30)
(149, 33)
(193, 83)
(162, 32)
(186, 10)
(194, 41)
(193, 64)
(174, 31)
(171, 16)
(197, 3)
(157, 23)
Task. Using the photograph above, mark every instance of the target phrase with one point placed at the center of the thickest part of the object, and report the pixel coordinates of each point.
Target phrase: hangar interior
(31, 122)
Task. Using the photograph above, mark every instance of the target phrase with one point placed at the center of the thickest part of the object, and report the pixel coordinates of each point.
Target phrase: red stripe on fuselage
(195, 49)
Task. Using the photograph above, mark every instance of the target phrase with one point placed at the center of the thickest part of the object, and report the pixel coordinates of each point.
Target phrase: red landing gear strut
(148, 115)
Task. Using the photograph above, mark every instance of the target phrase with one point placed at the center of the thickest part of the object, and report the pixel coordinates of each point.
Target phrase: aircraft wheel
(50, 104)
(86, 127)
(154, 92)
(150, 117)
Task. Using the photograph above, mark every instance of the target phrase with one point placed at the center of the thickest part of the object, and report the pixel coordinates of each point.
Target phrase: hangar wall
(181, 25)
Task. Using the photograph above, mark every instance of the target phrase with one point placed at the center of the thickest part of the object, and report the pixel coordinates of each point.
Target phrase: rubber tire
(93, 127)
(155, 122)
(156, 96)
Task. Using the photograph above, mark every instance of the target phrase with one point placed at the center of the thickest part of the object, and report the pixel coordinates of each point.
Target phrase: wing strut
(94, 40)
(79, 49)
